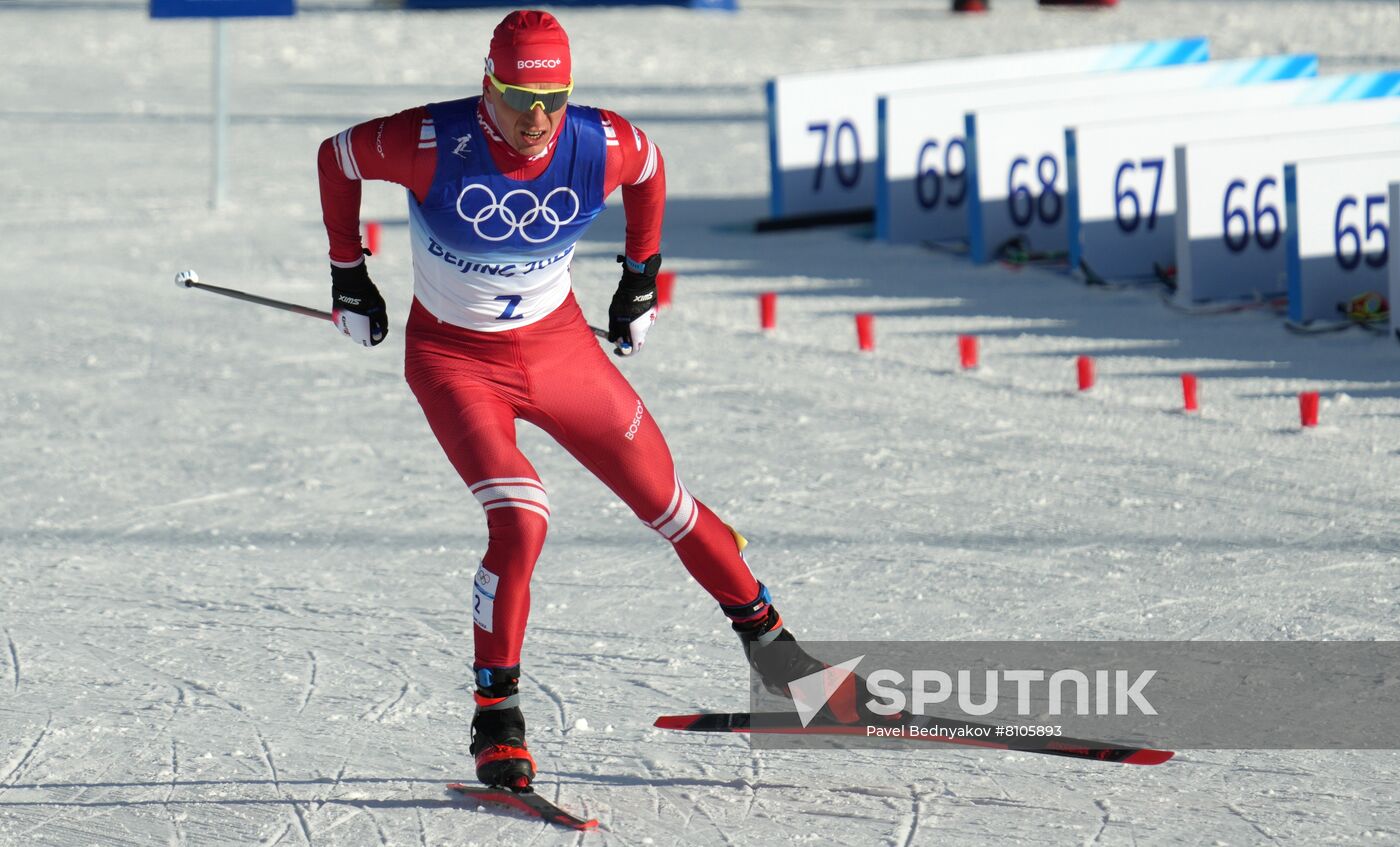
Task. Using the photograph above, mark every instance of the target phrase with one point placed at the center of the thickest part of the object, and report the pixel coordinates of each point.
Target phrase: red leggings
(554, 374)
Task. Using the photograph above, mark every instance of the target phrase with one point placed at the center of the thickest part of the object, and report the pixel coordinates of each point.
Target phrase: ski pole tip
(184, 279)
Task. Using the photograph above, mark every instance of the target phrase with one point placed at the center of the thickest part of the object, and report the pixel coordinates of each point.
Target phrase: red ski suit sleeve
(402, 149)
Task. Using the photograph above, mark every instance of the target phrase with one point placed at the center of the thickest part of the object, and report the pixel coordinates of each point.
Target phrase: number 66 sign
(1230, 220)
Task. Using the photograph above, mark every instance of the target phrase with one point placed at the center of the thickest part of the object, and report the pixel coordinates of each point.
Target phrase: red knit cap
(529, 48)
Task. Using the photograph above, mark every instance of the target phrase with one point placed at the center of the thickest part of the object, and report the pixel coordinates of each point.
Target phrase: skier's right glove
(357, 310)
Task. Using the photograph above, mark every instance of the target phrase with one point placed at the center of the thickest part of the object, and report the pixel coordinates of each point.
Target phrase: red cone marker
(1188, 393)
(665, 285)
(1307, 407)
(372, 236)
(768, 310)
(865, 331)
(1086, 372)
(967, 351)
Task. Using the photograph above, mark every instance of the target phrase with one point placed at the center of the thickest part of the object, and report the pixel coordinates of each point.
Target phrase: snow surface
(235, 567)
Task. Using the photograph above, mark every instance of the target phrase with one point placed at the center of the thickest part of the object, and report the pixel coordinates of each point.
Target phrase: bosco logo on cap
(530, 48)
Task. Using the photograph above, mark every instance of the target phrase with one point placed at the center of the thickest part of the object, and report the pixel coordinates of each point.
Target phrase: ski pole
(190, 279)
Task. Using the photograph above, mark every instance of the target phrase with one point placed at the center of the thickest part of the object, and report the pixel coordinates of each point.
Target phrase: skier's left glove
(633, 308)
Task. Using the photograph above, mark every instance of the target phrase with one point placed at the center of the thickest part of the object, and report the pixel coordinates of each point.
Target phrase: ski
(526, 801)
(1316, 327)
(1225, 307)
(946, 731)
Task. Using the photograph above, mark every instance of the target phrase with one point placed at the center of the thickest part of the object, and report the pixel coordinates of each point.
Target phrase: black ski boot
(498, 730)
(778, 659)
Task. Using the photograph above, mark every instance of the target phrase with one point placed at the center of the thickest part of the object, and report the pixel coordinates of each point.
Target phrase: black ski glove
(633, 308)
(356, 307)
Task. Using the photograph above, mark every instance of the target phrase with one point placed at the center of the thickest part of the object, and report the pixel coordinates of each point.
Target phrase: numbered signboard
(1017, 159)
(1230, 221)
(1338, 231)
(822, 126)
(1122, 174)
(921, 194)
(221, 8)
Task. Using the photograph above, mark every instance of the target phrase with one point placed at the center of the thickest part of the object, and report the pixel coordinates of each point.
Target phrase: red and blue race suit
(495, 335)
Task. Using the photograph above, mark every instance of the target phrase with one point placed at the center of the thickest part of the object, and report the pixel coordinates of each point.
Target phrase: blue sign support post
(217, 10)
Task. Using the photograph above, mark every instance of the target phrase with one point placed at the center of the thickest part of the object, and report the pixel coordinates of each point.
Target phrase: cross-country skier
(502, 186)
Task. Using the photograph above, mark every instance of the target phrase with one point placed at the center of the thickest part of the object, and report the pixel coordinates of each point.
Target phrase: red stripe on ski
(526, 801)
(677, 721)
(1148, 757)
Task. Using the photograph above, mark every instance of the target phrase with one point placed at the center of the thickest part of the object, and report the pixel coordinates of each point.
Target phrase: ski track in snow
(1103, 821)
(177, 833)
(1254, 825)
(377, 712)
(298, 815)
(235, 563)
(15, 768)
(310, 682)
(14, 661)
(909, 825)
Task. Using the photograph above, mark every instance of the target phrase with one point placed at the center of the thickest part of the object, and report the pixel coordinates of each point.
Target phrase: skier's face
(528, 132)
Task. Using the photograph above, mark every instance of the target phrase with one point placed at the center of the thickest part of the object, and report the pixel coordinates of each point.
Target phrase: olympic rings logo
(520, 211)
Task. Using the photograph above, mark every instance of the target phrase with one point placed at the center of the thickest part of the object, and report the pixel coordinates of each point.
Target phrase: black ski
(952, 731)
(527, 801)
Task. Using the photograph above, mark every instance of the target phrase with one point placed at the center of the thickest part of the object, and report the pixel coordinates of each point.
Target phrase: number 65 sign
(1338, 231)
